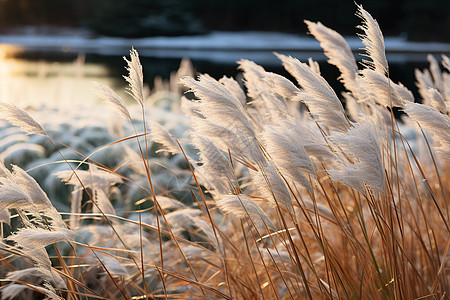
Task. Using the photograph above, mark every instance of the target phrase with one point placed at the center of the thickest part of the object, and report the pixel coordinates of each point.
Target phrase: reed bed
(283, 190)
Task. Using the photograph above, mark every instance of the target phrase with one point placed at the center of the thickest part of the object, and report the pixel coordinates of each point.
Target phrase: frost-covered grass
(264, 188)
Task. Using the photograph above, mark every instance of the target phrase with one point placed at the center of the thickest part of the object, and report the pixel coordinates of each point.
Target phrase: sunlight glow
(39, 82)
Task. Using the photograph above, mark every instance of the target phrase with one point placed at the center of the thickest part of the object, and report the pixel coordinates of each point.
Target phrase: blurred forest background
(418, 20)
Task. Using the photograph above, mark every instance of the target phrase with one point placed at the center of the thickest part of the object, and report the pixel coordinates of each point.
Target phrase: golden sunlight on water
(31, 82)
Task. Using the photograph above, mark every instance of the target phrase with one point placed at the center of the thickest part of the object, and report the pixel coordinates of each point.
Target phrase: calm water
(49, 78)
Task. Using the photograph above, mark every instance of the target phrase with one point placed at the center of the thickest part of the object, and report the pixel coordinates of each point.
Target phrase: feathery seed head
(374, 41)
(20, 118)
(135, 77)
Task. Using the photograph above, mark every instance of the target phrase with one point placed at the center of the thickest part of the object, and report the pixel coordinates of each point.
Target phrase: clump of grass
(289, 201)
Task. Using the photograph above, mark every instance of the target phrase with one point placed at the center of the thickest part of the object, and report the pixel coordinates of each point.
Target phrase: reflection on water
(41, 81)
(35, 79)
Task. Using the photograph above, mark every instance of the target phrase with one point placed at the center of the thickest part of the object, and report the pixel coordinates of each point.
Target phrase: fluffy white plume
(353, 108)
(13, 290)
(269, 92)
(431, 119)
(33, 241)
(161, 136)
(218, 104)
(167, 203)
(361, 146)
(253, 75)
(182, 217)
(337, 50)
(35, 238)
(234, 88)
(36, 195)
(206, 227)
(288, 153)
(320, 98)
(242, 207)
(374, 41)
(5, 216)
(436, 73)
(376, 87)
(113, 265)
(222, 111)
(436, 100)
(424, 82)
(281, 85)
(107, 94)
(12, 196)
(135, 77)
(224, 138)
(282, 95)
(446, 62)
(215, 165)
(4, 172)
(314, 65)
(271, 186)
(20, 118)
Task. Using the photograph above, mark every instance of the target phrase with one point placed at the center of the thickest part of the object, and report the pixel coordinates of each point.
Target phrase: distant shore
(217, 46)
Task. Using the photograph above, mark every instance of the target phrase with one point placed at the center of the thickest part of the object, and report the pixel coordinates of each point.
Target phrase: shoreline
(217, 46)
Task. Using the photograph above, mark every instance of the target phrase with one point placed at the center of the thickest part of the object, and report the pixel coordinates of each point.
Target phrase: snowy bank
(222, 47)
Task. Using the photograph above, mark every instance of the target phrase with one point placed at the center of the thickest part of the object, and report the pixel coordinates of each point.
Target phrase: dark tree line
(418, 19)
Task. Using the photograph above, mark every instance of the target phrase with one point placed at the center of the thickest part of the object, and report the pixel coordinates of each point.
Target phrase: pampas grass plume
(374, 41)
(337, 50)
(106, 93)
(135, 77)
(243, 206)
(20, 118)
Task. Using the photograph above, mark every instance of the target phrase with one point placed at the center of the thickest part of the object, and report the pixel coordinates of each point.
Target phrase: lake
(43, 76)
